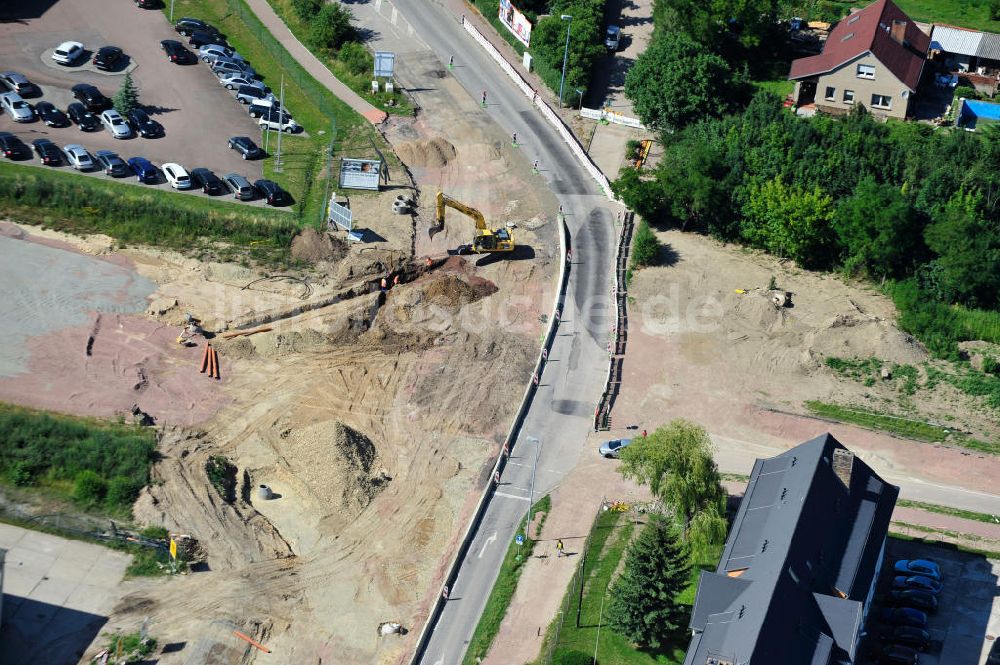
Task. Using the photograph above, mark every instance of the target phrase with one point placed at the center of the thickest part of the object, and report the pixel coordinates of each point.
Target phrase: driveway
(197, 113)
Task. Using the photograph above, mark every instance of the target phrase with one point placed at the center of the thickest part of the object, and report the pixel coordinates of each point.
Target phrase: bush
(122, 491)
(356, 58)
(645, 246)
(632, 148)
(222, 475)
(994, 8)
(991, 365)
(89, 488)
(966, 91)
(331, 28)
(306, 9)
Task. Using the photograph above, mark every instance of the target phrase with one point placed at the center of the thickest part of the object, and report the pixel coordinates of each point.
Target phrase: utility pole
(531, 492)
(329, 169)
(564, 17)
(171, 11)
(281, 114)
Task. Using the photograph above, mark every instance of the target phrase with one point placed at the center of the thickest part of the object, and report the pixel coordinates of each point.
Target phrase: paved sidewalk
(311, 64)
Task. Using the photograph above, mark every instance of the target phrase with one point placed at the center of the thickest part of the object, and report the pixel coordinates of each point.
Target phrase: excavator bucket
(434, 229)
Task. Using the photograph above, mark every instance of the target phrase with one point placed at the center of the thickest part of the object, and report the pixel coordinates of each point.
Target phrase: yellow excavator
(485, 241)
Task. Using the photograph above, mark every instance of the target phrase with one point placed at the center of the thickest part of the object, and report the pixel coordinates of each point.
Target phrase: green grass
(948, 510)
(504, 587)
(965, 13)
(904, 427)
(138, 215)
(780, 86)
(132, 647)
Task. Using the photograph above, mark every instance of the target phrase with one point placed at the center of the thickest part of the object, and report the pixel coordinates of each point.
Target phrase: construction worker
(429, 262)
(395, 280)
(484, 98)
(559, 547)
(385, 285)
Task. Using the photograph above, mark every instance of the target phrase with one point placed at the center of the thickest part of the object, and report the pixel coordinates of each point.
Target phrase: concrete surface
(198, 114)
(57, 595)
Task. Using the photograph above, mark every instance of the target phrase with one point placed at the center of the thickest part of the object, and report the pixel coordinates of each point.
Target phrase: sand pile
(428, 154)
(756, 310)
(848, 336)
(314, 246)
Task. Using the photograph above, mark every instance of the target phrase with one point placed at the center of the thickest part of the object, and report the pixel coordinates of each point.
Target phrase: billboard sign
(359, 173)
(516, 22)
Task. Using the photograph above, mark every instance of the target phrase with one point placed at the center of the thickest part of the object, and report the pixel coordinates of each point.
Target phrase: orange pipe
(204, 357)
(211, 363)
(252, 641)
(215, 356)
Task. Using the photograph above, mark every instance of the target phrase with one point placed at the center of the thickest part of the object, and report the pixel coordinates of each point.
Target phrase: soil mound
(314, 246)
(428, 154)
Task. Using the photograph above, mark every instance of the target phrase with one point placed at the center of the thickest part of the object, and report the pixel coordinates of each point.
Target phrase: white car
(116, 124)
(234, 80)
(210, 52)
(279, 122)
(177, 176)
(16, 108)
(67, 53)
(78, 157)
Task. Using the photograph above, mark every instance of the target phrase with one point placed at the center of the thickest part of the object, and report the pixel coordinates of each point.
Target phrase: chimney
(898, 31)
(843, 462)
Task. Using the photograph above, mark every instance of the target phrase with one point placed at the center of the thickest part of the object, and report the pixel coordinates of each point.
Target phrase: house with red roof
(873, 57)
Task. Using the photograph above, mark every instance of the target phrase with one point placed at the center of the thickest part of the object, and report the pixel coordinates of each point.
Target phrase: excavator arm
(485, 240)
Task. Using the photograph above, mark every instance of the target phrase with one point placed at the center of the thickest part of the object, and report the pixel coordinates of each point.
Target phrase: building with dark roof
(798, 571)
(874, 57)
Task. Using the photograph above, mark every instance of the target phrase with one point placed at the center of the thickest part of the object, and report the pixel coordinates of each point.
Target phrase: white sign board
(384, 62)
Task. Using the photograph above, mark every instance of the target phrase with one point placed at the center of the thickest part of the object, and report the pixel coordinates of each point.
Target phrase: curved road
(562, 411)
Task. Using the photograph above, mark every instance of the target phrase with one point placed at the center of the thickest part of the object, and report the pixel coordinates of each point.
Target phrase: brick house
(874, 57)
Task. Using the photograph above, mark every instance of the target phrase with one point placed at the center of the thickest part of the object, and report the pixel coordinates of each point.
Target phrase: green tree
(878, 229)
(677, 81)
(331, 28)
(676, 462)
(708, 22)
(789, 221)
(306, 9)
(968, 248)
(643, 606)
(127, 97)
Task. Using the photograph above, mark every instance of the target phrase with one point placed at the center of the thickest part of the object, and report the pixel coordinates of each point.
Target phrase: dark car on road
(91, 97)
(199, 38)
(13, 147)
(83, 118)
(108, 58)
(47, 151)
(186, 25)
(272, 192)
(177, 52)
(896, 654)
(246, 147)
(144, 170)
(209, 183)
(913, 637)
(145, 126)
(917, 582)
(19, 83)
(50, 115)
(921, 600)
(904, 616)
(924, 567)
(111, 163)
(147, 4)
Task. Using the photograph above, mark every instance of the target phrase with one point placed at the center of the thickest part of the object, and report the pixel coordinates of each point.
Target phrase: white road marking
(489, 540)
(511, 496)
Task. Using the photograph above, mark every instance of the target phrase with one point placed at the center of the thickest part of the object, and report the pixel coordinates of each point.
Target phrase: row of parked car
(77, 156)
(916, 584)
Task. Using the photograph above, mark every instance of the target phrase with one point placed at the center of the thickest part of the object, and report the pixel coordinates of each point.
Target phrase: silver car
(612, 449)
(212, 52)
(234, 80)
(78, 157)
(229, 66)
(16, 108)
(116, 124)
(240, 186)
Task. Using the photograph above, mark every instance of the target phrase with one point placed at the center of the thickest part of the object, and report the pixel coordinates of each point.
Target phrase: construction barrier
(616, 348)
(607, 115)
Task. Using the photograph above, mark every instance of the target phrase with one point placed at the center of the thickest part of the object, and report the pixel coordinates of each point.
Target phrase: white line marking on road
(511, 496)
(528, 465)
(489, 540)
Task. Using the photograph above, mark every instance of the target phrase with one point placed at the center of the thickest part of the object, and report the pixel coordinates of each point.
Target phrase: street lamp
(569, 19)
(531, 492)
(580, 93)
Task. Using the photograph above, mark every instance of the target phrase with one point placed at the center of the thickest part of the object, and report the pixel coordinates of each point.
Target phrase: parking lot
(964, 628)
(197, 113)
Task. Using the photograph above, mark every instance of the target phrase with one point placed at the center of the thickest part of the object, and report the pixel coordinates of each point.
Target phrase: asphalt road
(562, 411)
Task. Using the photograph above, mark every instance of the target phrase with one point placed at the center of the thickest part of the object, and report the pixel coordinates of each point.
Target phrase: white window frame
(846, 93)
(866, 72)
(831, 93)
(887, 98)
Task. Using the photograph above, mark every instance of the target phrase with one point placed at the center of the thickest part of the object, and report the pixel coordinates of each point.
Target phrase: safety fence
(508, 446)
(607, 115)
(619, 334)
(546, 111)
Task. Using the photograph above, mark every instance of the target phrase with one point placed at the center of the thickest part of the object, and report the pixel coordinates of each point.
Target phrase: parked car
(67, 53)
(246, 147)
(612, 449)
(78, 157)
(144, 170)
(209, 183)
(176, 175)
(115, 124)
(108, 57)
(199, 38)
(147, 4)
(145, 126)
(917, 582)
(896, 654)
(236, 79)
(921, 600)
(91, 97)
(12, 147)
(186, 25)
(612, 38)
(18, 109)
(272, 192)
(279, 122)
(111, 163)
(83, 118)
(265, 105)
(240, 187)
(904, 616)
(923, 567)
(248, 94)
(209, 52)
(176, 52)
(20, 84)
(50, 115)
(229, 66)
(910, 636)
(47, 151)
